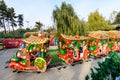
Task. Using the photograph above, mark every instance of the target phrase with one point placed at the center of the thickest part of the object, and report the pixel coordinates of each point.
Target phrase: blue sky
(41, 10)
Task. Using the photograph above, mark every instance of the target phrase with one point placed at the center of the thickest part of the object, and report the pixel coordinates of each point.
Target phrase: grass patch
(55, 58)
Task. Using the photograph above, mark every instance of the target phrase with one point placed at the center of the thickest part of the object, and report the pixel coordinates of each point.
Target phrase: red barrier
(12, 43)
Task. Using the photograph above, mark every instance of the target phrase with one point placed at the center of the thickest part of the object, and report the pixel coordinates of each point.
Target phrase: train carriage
(33, 55)
(98, 43)
(71, 49)
(113, 40)
(106, 41)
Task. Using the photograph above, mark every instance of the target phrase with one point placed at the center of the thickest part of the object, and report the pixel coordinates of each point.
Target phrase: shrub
(107, 70)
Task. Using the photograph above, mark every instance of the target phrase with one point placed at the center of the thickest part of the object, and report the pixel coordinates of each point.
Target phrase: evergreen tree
(38, 25)
(3, 10)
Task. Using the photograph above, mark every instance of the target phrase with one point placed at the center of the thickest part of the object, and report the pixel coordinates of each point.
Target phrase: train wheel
(69, 61)
(41, 64)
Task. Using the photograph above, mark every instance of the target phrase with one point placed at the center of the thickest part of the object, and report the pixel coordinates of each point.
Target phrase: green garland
(116, 40)
(30, 47)
(92, 48)
(63, 52)
(77, 44)
(102, 42)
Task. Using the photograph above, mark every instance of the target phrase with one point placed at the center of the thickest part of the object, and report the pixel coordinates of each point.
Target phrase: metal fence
(12, 35)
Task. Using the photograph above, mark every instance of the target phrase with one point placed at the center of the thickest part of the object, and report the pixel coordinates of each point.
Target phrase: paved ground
(77, 72)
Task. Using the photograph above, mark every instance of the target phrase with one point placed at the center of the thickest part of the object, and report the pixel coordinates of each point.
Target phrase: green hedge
(11, 36)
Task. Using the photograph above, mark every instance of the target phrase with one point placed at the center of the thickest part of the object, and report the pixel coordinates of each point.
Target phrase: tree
(34, 29)
(108, 69)
(112, 17)
(8, 14)
(38, 25)
(117, 18)
(27, 29)
(20, 20)
(8, 17)
(66, 20)
(12, 17)
(3, 10)
(97, 22)
(51, 29)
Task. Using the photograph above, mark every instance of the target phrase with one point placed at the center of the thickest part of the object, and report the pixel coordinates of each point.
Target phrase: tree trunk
(20, 27)
(8, 26)
(4, 26)
(13, 29)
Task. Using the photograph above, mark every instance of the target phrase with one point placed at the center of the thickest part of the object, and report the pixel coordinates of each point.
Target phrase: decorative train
(34, 55)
